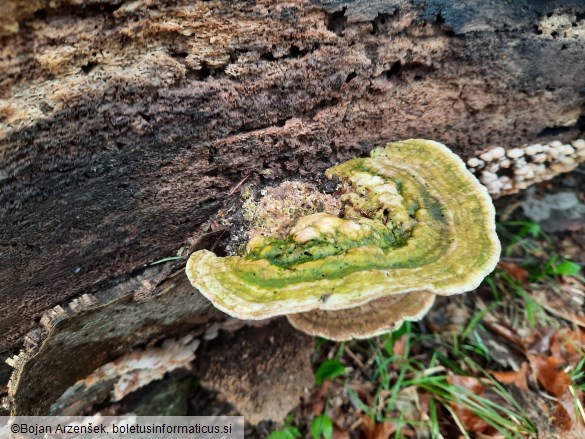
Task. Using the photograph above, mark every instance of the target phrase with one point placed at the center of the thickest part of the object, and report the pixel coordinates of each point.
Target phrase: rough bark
(76, 345)
(123, 125)
(262, 371)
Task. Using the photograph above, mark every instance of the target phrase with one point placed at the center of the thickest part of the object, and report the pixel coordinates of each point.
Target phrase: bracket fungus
(374, 318)
(414, 223)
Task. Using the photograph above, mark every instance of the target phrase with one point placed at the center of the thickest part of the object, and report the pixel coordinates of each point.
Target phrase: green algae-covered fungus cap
(414, 219)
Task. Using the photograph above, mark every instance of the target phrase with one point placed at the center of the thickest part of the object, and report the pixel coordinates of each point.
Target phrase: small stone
(555, 144)
(498, 152)
(579, 144)
(487, 177)
(515, 153)
(474, 162)
(545, 148)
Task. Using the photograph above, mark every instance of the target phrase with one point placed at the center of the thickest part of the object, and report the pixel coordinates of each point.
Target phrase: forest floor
(505, 361)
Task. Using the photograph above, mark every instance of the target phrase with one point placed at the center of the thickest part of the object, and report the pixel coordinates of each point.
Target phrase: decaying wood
(125, 124)
(75, 343)
(263, 371)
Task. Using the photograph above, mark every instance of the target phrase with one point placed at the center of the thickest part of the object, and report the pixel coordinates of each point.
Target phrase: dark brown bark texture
(124, 124)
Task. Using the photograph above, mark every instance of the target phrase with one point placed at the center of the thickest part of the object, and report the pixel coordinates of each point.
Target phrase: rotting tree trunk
(123, 126)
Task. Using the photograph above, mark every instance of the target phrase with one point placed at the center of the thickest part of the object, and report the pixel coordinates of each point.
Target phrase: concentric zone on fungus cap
(414, 220)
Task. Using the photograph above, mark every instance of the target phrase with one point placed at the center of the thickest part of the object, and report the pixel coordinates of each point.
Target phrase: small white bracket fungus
(414, 220)
(529, 164)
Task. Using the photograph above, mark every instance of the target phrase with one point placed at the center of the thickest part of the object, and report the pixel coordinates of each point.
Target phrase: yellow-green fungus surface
(413, 219)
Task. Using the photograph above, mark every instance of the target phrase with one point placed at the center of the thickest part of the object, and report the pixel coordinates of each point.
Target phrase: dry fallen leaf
(519, 379)
(470, 420)
(505, 332)
(377, 430)
(399, 346)
(554, 381)
(573, 424)
(557, 349)
(564, 299)
(572, 345)
(562, 416)
(319, 396)
(339, 433)
(540, 341)
(515, 271)
(490, 436)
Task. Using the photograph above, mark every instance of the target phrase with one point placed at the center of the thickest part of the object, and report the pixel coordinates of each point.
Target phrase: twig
(457, 421)
(235, 188)
(354, 358)
(218, 240)
(356, 424)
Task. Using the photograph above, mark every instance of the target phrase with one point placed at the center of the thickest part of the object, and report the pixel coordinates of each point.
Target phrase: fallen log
(124, 126)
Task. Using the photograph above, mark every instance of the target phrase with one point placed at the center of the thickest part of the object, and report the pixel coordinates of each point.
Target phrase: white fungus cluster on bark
(505, 172)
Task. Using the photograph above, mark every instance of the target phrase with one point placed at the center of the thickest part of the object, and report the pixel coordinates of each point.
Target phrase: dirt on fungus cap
(414, 219)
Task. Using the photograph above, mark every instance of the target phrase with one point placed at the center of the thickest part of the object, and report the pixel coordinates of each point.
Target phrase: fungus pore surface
(414, 219)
